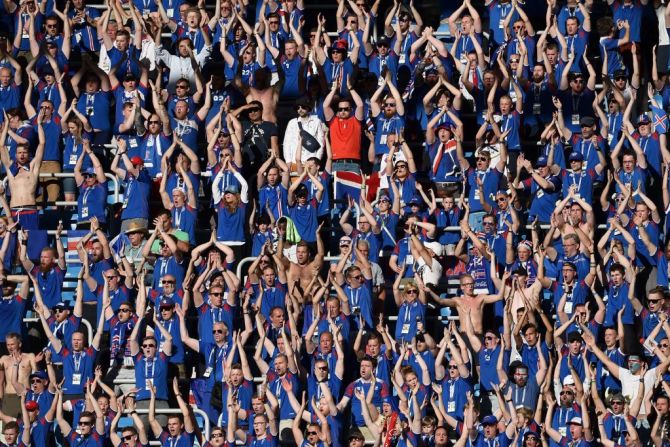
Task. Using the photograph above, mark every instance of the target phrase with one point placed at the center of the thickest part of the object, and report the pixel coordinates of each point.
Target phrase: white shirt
(180, 67)
(312, 125)
(630, 384)
(662, 33)
(429, 275)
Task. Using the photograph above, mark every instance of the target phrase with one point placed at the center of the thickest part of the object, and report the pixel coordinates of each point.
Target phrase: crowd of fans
(247, 224)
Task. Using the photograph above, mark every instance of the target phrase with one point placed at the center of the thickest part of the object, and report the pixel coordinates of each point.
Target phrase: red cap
(31, 405)
(137, 160)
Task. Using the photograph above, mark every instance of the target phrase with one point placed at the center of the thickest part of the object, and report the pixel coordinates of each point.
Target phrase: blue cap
(541, 161)
(384, 197)
(40, 375)
(61, 306)
(643, 119)
(89, 171)
(575, 156)
(415, 200)
(489, 420)
(232, 188)
(166, 302)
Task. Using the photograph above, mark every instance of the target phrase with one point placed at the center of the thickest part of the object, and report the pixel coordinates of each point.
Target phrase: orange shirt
(345, 138)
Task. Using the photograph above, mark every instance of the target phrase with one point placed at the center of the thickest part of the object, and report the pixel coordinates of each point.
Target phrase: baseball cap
(137, 160)
(575, 420)
(575, 156)
(489, 420)
(384, 197)
(569, 380)
(40, 375)
(643, 119)
(31, 405)
(587, 121)
(620, 73)
(61, 306)
(232, 188)
(383, 41)
(167, 302)
(541, 161)
(345, 240)
(435, 246)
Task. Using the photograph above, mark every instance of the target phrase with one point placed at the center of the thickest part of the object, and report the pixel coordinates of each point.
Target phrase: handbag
(309, 143)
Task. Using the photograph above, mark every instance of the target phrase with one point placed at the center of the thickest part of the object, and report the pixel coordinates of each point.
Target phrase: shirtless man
(573, 215)
(27, 364)
(523, 297)
(302, 272)
(23, 176)
(470, 302)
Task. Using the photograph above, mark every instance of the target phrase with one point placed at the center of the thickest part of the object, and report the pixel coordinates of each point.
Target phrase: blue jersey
(136, 196)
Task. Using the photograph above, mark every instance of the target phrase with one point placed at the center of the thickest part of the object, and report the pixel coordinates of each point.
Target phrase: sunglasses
(59, 310)
(301, 107)
(322, 368)
(168, 281)
(344, 109)
(616, 402)
(216, 294)
(154, 122)
(389, 104)
(358, 277)
(654, 301)
(453, 367)
(254, 110)
(85, 423)
(273, 22)
(181, 86)
(149, 345)
(411, 292)
(570, 393)
(312, 433)
(466, 284)
(51, 26)
(664, 345)
(123, 311)
(482, 159)
(217, 331)
(216, 435)
(128, 437)
(620, 78)
(404, 19)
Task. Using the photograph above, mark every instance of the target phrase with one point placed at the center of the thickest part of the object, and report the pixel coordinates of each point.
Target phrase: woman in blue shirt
(75, 129)
(231, 205)
(92, 185)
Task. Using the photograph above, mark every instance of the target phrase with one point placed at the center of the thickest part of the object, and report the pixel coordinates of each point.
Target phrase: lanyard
(355, 296)
(407, 313)
(84, 197)
(164, 266)
(174, 441)
(465, 40)
(146, 368)
(219, 353)
(581, 177)
(216, 317)
(76, 358)
(177, 216)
